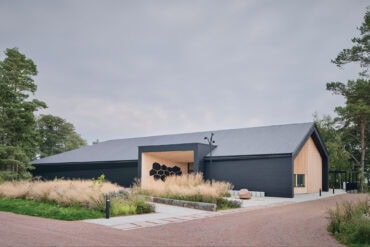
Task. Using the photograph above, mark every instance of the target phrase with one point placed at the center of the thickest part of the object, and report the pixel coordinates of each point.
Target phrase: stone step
(235, 193)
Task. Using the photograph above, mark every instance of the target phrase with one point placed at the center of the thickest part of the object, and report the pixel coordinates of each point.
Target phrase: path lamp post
(107, 207)
(210, 142)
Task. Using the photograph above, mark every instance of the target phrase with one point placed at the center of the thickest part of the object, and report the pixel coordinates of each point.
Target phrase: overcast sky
(119, 69)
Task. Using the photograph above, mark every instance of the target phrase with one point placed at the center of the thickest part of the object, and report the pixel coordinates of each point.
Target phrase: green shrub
(121, 207)
(8, 175)
(223, 203)
(143, 207)
(99, 180)
(12, 176)
(192, 198)
(350, 223)
(133, 205)
(361, 234)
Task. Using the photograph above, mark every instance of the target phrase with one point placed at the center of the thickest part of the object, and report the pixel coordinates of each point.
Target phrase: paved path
(297, 224)
(166, 214)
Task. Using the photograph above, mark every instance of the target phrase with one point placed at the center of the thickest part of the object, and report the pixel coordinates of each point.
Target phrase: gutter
(248, 157)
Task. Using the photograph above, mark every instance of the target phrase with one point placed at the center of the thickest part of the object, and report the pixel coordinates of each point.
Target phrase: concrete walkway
(166, 214)
(260, 202)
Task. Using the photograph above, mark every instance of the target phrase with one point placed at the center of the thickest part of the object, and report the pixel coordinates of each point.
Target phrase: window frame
(299, 180)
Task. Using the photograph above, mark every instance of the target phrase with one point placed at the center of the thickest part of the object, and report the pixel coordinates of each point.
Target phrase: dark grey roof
(277, 139)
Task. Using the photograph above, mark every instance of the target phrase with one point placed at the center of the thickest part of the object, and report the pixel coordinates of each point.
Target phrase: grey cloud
(133, 68)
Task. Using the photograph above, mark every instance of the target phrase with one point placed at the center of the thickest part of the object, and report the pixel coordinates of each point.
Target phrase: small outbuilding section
(281, 160)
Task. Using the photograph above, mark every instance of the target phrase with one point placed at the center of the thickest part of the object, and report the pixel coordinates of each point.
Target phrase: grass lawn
(48, 210)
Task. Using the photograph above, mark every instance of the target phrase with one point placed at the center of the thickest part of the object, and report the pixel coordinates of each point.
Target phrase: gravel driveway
(298, 224)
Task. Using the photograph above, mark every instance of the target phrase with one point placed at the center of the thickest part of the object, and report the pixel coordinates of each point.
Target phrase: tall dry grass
(187, 187)
(64, 192)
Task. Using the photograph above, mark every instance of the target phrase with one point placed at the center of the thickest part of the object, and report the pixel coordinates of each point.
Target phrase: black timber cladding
(122, 173)
(272, 174)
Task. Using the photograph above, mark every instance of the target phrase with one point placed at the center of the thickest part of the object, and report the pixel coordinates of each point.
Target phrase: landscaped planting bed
(190, 187)
(69, 199)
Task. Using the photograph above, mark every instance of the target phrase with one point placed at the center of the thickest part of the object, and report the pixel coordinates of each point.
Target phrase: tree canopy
(355, 114)
(21, 138)
(17, 121)
(359, 52)
(56, 135)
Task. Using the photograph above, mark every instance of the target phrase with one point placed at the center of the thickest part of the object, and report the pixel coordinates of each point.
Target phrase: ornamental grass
(191, 187)
(85, 193)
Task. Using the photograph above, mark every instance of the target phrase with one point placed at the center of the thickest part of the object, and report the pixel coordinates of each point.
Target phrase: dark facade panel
(120, 173)
(274, 176)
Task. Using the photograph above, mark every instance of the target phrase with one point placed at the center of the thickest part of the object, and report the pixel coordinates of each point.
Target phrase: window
(298, 180)
(190, 167)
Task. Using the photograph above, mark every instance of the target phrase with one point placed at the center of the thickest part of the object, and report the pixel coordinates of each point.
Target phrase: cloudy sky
(119, 69)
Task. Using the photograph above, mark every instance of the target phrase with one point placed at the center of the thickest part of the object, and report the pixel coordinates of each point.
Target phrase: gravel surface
(298, 224)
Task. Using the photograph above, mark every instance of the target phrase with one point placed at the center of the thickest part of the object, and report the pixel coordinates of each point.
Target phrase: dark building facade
(280, 160)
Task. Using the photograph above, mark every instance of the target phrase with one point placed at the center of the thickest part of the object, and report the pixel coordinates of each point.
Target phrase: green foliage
(359, 52)
(122, 207)
(100, 180)
(56, 135)
(48, 210)
(356, 111)
(20, 134)
(10, 176)
(350, 223)
(333, 138)
(17, 121)
(143, 207)
(357, 108)
(11, 165)
(223, 204)
(192, 198)
(131, 206)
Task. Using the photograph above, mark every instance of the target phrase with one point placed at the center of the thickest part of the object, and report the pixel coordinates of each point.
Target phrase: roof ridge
(199, 132)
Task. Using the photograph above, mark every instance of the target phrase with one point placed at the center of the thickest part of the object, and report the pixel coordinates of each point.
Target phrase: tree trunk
(362, 168)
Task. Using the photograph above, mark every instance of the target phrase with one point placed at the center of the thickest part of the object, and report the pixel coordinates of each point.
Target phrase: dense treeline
(23, 135)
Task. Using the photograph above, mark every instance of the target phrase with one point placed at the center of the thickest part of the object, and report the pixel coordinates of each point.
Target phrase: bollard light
(320, 192)
(107, 208)
(333, 190)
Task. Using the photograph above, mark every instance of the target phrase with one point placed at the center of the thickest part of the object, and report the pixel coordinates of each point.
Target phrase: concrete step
(235, 193)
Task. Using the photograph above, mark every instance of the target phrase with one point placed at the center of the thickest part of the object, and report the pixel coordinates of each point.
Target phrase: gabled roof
(268, 140)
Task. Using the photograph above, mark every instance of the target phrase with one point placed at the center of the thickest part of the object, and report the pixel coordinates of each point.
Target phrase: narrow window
(190, 167)
(298, 180)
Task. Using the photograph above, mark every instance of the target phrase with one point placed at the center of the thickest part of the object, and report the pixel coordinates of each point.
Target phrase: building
(281, 160)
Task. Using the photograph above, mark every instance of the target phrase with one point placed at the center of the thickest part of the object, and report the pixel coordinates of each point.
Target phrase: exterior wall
(148, 158)
(309, 162)
(272, 175)
(120, 173)
(198, 151)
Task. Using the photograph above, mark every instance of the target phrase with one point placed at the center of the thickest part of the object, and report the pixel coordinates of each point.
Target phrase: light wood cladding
(171, 158)
(309, 162)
